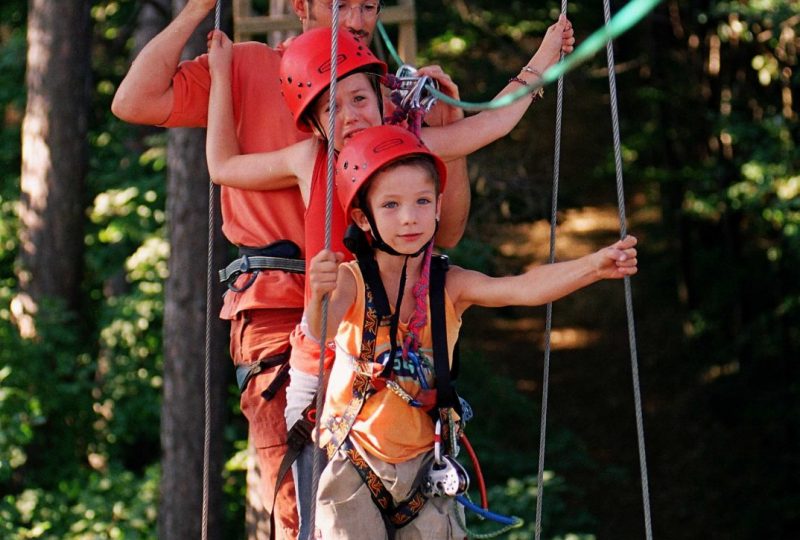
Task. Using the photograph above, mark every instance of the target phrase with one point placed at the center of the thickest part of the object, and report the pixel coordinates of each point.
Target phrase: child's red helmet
(306, 67)
(371, 149)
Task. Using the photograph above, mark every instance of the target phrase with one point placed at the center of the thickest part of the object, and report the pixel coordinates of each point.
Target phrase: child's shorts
(345, 510)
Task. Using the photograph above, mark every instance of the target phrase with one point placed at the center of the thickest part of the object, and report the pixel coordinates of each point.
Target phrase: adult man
(263, 306)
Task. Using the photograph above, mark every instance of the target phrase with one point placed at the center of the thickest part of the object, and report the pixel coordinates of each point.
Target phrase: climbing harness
(281, 255)
(445, 476)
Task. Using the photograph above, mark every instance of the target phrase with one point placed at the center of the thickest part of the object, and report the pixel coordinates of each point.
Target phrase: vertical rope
(317, 465)
(209, 315)
(207, 371)
(549, 313)
(612, 84)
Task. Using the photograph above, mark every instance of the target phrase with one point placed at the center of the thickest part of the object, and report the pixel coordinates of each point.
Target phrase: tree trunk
(54, 154)
(182, 416)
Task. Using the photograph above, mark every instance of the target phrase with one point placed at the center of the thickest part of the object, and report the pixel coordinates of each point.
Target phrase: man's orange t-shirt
(263, 124)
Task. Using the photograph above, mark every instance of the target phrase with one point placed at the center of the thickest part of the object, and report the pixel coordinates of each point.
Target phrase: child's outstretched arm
(468, 135)
(327, 276)
(544, 283)
(226, 164)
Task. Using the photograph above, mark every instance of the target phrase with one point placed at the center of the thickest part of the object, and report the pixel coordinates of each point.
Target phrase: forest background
(102, 280)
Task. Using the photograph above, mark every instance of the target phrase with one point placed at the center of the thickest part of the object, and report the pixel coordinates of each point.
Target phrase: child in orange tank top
(377, 431)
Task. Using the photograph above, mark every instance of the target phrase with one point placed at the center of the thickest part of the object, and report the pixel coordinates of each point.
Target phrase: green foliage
(505, 436)
(79, 404)
(93, 506)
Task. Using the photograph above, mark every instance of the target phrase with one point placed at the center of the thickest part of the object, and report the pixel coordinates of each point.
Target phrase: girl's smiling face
(357, 108)
(404, 205)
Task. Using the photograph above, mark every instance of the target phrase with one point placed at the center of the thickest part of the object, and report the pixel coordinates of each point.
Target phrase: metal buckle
(244, 266)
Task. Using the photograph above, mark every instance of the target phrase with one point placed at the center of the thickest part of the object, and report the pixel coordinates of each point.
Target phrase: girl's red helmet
(369, 150)
(306, 68)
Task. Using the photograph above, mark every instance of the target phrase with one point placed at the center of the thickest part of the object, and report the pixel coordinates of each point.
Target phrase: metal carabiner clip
(414, 91)
(445, 476)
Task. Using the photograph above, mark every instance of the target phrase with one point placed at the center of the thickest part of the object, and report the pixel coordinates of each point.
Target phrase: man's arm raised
(145, 94)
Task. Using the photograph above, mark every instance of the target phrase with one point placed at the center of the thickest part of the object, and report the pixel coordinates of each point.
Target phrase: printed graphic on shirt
(416, 368)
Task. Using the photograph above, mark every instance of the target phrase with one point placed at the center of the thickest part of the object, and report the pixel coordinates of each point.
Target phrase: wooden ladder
(280, 22)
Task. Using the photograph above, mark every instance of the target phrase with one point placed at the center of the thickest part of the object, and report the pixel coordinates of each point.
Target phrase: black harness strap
(376, 309)
(396, 514)
(245, 372)
(299, 436)
(445, 391)
(446, 397)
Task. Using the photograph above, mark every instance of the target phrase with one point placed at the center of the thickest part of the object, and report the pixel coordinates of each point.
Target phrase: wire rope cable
(612, 84)
(207, 364)
(207, 367)
(317, 454)
(549, 309)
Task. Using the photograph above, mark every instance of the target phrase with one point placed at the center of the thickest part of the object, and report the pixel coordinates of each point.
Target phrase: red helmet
(371, 149)
(306, 67)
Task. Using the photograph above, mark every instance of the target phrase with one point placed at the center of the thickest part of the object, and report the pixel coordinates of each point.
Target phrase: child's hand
(322, 272)
(220, 52)
(560, 37)
(617, 260)
(442, 114)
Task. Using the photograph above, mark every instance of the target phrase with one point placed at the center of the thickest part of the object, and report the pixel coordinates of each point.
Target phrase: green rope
(625, 18)
(389, 45)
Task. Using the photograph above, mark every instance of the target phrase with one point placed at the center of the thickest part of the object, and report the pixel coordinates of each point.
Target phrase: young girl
(377, 433)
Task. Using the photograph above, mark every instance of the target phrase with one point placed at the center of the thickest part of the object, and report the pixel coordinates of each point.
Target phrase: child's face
(405, 207)
(356, 108)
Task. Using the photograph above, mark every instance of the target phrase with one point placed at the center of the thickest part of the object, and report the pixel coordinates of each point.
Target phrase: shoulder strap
(445, 391)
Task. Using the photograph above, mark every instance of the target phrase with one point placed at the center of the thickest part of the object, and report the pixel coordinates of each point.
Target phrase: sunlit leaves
(114, 506)
(767, 67)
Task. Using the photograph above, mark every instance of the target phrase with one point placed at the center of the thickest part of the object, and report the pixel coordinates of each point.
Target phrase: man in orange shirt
(263, 304)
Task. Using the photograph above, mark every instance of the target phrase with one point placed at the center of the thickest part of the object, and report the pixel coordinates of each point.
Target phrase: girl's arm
(326, 275)
(226, 164)
(544, 283)
(465, 136)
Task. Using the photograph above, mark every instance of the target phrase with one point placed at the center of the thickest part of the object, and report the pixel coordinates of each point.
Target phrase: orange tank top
(386, 427)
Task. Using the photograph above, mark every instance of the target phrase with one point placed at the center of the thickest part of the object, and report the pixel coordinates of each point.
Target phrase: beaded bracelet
(536, 95)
